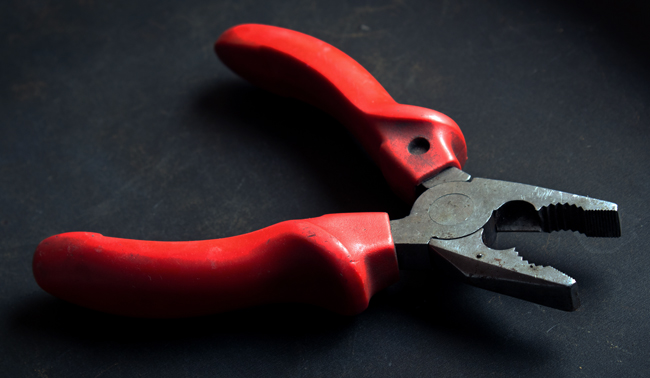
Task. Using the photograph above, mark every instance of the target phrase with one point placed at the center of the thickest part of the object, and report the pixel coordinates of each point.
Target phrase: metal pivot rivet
(451, 209)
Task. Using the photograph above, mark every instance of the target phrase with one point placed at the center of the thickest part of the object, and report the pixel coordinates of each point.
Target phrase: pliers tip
(506, 272)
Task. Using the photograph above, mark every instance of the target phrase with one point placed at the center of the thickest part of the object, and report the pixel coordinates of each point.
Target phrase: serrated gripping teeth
(506, 272)
(531, 208)
(567, 217)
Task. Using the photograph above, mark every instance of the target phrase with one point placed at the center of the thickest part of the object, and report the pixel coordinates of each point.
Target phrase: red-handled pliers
(336, 261)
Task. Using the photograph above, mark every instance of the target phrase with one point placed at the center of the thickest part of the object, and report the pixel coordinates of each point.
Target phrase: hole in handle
(418, 146)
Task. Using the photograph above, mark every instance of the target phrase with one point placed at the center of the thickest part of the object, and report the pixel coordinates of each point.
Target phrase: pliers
(335, 261)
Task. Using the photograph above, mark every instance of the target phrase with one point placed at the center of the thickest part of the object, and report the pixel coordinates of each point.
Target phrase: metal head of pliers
(457, 219)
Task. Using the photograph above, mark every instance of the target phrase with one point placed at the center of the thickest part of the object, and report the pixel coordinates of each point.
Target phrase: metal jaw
(457, 218)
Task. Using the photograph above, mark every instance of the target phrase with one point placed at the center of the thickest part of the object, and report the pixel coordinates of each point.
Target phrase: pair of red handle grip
(335, 261)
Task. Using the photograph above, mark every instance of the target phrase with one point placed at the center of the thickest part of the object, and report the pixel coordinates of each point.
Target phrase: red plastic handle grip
(335, 261)
(410, 144)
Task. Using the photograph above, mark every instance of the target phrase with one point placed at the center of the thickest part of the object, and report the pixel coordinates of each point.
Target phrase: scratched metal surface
(117, 118)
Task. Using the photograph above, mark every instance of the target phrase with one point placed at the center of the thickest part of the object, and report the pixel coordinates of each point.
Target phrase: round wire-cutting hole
(418, 146)
(479, 255)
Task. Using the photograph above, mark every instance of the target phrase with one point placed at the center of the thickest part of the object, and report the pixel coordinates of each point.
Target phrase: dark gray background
(117, 118)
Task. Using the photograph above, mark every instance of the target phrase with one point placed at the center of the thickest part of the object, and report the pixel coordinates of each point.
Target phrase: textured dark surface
(117, 118)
